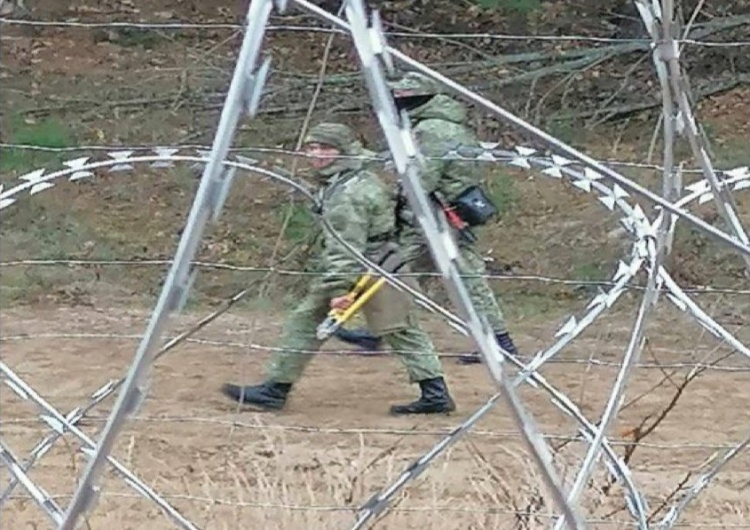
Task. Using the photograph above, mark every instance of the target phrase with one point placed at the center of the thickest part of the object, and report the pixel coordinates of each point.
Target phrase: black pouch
(474, 207)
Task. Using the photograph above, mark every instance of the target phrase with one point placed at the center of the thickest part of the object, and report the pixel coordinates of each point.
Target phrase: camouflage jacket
(439, 126)
(361, 209)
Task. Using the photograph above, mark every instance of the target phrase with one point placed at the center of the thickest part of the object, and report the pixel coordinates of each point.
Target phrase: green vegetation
(511, 6)
(50, 133)
(299, 221)
(502, 189)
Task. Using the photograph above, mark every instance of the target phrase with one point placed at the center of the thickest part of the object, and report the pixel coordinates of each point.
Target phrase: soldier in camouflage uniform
(360, 208)
(438, 123)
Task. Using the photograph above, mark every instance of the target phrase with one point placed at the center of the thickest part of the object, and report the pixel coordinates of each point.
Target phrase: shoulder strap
(326, 192)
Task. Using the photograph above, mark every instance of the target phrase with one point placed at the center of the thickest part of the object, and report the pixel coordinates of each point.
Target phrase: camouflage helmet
(336, 135)
(415, 84)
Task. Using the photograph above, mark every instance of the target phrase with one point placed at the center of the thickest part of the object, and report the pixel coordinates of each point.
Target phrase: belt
(381, 238)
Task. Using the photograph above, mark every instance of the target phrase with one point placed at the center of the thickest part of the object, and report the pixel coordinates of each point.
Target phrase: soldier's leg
(415, 350)
(417, 353)
(298, 342)
(472, 268)
(392, 315)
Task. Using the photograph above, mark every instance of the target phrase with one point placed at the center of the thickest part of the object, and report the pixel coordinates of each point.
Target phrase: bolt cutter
(358, 296)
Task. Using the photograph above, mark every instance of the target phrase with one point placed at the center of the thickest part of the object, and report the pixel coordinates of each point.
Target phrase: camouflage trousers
(298, 342)
(471, 268)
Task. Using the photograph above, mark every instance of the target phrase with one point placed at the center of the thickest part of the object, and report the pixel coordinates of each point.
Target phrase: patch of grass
(523, 7)
(301, 222)
(522, 306)
(141, 38)
(565, 127)
(502, 189)
(49, 132)
(40, 232)
(728, 152)
(731, 153)
(589, 272)
(24, 285)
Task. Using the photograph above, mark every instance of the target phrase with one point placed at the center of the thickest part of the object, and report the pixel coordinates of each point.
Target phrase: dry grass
(334, 447)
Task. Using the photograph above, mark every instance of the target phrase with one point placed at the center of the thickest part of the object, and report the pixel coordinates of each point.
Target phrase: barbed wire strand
(590, 163)
(279, 151)
(74, 416)
(358, 431)
(401, 509)
(78, 167)
(670, 518)
(553, 142)
(593, 361)
(42, 498)
(397, 34)
(146, 262)
(56, 420)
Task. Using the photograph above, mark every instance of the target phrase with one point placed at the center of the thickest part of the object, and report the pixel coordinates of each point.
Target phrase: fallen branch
(166, 102)
(672, 495)
(644, 428)
(624, 111)
(563, 68)
(573, 60)
(641, 431)
(611, 98)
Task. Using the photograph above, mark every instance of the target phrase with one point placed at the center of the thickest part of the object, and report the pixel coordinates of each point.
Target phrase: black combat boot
(267, 396)
(503, 340)
(435, 399)
(360, 338)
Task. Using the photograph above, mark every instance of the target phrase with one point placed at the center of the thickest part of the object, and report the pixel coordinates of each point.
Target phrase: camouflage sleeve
(348, 215)
(433, 146)
(436, 138)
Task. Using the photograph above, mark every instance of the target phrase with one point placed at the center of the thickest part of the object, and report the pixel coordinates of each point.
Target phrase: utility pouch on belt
(474, 207)
(454, 220)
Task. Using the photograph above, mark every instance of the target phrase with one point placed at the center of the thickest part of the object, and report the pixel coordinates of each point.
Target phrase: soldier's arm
(349, 217)
(434, 145)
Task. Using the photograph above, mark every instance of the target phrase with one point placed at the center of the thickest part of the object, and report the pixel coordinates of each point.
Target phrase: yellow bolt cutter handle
(337, 317)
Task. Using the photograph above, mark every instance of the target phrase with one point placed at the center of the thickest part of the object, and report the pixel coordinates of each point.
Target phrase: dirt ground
(335, 445)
